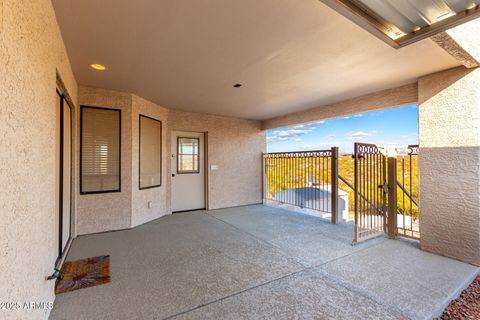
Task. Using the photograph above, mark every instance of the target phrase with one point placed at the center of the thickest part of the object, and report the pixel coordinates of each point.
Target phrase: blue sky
(387, 127)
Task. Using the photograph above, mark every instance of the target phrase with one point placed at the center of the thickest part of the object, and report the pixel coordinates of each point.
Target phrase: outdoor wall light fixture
(98, 66)
(403, 22)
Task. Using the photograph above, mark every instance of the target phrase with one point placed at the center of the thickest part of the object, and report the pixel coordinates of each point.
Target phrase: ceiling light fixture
(98, 66)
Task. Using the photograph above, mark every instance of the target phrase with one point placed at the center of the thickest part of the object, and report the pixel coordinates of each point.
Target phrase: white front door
(188, 171)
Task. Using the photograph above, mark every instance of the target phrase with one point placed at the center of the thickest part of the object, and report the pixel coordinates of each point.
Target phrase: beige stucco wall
(31, 50)
(107, 211)
(385, 99)
(449, 166)
(128, 208)
(234, 145)
(157, 196)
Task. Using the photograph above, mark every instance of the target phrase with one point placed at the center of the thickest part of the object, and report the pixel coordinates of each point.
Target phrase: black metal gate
(370, 191)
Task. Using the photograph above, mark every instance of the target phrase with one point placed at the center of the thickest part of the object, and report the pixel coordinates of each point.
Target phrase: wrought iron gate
(407, 208)
(384, 187)
(370, 191)
(386, 192)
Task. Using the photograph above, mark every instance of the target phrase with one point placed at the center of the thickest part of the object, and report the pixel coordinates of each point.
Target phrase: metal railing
(308, 180)
(407, 192)
(384, 189)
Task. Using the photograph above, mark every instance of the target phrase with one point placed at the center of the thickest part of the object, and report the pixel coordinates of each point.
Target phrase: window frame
(82, 107)
(140, 151)
(178, 156)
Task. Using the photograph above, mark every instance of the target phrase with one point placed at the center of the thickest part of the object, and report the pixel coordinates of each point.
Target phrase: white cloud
(293, 133)
(288, 134)
(310, 125)
(353, 115)
(358, 135)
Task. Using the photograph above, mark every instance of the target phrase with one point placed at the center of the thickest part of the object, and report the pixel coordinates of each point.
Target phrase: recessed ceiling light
(238, 85)
(98, 66)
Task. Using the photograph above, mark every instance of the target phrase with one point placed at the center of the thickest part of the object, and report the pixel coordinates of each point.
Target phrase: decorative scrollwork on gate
(298, 154)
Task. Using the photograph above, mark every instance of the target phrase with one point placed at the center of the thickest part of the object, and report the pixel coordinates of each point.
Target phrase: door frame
(62, 252)
(205, 166)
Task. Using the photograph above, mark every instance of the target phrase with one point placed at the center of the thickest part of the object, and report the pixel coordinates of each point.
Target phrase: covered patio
(260, 262)
(138, 130)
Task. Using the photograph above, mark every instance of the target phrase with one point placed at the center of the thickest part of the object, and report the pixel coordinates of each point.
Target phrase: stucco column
(449, 167)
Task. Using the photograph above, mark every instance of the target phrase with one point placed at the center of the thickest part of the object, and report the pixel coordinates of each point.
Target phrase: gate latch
(384, 187)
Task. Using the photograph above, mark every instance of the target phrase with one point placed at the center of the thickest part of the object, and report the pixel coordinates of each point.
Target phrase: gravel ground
(467, 306)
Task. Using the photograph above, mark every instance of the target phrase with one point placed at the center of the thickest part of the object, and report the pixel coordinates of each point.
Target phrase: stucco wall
(107, 211)
(234, 145)
(384, 99)
(128, 208)
(449, 166)
(157, 196)
(31, 50)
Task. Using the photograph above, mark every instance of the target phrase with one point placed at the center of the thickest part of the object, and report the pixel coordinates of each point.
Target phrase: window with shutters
(150, 153)
(100, 144)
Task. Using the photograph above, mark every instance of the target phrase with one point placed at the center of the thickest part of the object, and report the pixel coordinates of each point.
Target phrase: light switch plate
(214, 167)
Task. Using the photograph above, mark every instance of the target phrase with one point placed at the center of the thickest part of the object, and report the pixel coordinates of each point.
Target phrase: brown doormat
(84, 273)
(467, 306)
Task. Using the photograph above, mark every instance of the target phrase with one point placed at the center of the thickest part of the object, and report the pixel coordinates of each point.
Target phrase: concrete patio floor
(258, 262)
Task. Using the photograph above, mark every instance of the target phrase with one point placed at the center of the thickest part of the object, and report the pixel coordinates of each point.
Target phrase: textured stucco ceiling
(182, 54)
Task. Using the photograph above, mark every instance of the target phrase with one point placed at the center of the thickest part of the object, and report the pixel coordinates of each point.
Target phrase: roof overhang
(402, 22)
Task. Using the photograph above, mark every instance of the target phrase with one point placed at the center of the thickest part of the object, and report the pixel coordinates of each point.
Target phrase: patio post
(334, 193)
(392, 198)
(263, 181)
